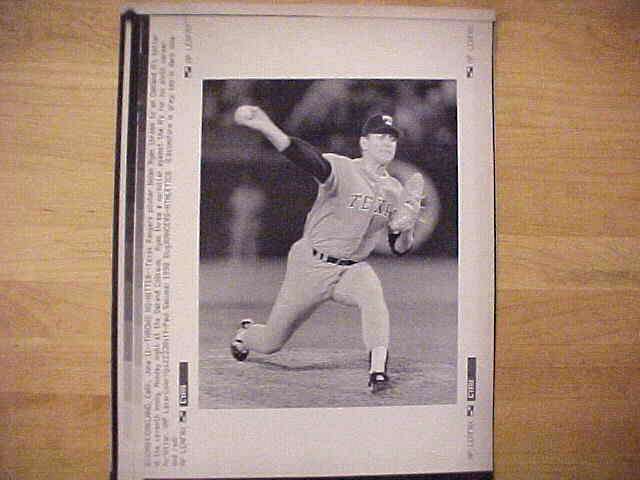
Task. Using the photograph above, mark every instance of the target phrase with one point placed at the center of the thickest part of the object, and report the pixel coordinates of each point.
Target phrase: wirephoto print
(311, 284)
(304, 243)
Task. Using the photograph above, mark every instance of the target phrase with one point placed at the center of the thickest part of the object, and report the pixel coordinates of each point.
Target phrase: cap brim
(391, 130)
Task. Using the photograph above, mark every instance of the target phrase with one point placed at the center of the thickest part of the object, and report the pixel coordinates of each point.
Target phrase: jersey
(352, 209)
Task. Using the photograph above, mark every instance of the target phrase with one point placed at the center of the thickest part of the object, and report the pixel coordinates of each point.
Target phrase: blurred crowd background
(254, 202)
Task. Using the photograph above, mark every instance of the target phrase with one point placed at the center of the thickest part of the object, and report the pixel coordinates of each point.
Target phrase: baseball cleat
(238, 349)
(378, 381)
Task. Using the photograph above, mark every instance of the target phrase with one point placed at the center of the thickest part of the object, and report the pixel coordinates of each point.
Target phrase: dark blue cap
(380, 124)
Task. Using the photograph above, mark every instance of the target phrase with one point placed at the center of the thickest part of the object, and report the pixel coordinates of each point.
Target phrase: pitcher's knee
(273, 342)
(376, 310)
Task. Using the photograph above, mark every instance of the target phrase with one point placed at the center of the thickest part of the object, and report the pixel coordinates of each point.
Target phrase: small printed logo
(182, 416)
(388, 120)
(469, 71)
(183, 384)
(469, 410)
(471, 379)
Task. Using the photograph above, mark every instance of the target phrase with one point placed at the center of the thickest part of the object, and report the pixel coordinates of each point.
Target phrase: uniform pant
(309, 282)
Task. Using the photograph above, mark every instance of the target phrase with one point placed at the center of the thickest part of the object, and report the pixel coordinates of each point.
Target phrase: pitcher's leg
(305, 286)
(360, 287)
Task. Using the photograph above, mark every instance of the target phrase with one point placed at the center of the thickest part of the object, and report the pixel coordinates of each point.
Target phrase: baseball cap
(380, 124)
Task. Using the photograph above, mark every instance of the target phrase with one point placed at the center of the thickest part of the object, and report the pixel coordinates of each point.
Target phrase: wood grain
(568, 229)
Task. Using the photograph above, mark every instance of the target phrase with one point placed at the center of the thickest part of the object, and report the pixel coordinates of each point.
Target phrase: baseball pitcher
(357, 201)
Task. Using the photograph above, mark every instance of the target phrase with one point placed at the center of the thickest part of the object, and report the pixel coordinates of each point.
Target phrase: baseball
(244, 113)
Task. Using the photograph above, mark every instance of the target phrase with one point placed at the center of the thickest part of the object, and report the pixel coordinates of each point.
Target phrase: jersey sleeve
(308, 158)
(339, 172)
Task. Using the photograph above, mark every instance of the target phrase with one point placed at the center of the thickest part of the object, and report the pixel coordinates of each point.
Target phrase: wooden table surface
(568, 229)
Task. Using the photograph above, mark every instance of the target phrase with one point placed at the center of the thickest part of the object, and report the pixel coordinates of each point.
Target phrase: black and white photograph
(305, 242)
(327, 277)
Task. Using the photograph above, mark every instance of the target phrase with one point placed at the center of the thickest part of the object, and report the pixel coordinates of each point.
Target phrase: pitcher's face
(379, 146)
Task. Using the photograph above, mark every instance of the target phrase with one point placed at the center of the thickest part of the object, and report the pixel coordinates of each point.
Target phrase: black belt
(330, 259)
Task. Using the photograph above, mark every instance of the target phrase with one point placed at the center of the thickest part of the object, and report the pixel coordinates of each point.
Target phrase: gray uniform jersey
(352, 209)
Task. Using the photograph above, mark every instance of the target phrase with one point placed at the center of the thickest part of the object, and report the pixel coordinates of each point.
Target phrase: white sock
(378, 359)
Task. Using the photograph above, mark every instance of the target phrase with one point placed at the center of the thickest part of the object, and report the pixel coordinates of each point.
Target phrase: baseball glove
(406, 215)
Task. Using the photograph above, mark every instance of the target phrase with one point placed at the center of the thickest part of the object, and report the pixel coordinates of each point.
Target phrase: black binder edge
(494, 38)
(139, 27)
(476, 475)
